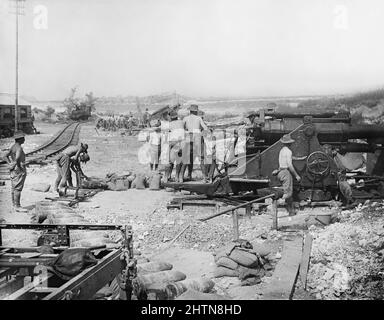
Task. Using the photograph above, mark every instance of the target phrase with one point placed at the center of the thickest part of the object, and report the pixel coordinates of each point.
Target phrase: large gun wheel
(318, 164)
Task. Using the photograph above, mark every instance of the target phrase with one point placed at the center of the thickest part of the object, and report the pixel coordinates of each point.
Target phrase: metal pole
(17, 64)
(237, 207)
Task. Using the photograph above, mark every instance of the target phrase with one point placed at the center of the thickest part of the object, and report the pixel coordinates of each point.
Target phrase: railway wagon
(81, 113)
(7, 116)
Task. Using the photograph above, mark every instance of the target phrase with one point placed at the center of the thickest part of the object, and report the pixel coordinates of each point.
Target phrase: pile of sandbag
(242, 260)
(47, 212)
(116, 182)
(158, 280)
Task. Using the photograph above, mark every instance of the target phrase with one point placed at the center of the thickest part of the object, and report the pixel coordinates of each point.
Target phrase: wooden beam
(284, 278)
(304, 265)
(275, 225)
(24, 291)
(11, 286)
(235, 225)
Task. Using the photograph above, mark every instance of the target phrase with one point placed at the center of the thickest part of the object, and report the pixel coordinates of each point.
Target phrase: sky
(195, 47)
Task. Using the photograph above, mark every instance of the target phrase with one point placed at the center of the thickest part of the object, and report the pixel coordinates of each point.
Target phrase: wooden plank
(284, 278)
(304, 265)
(275, 225)
(24, 291)
(235, 225)
(11, 286)
(43, 290)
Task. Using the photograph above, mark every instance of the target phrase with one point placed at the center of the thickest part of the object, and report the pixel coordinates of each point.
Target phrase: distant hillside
(369, 99)
(164, 98)
(365, 107)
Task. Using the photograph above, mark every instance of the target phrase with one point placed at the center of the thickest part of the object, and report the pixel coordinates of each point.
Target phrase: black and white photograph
(208, 151)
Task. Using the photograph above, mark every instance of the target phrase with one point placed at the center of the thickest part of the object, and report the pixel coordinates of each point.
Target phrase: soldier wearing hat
(286, 172)
(250, 118)
(63, 162)
(18, 172)
(193, 124)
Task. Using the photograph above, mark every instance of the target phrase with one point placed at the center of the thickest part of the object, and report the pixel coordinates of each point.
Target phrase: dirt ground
(154, 226)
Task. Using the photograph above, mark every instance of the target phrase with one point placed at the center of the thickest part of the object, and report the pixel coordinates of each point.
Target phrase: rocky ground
(346, 260)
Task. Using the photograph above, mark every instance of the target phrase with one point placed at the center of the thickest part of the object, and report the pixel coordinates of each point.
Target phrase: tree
(71, 103)
(49, 111)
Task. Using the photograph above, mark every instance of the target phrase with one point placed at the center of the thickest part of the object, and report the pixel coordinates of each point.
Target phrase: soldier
(176, 137)
(250, 118)
(286, 171)
(18, 172)
(63, 162)
(193, 124)
(209, 156)
(154, 140)
(146, 118)
(75, 166)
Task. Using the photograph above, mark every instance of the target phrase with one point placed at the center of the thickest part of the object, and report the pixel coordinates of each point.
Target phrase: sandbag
(155, 182)
(161, 276)
(37, 217)
(198, 284)
(71, 262)
(169, 291)
(227, 263)
(225, 272)
(196, 295)
(224, 251)
(154, 266)
(74, 220)
(44, 208)
(245, 273)
(262, 249)
(139, 182)
(120, 185)
(244, 258)
(94, 183)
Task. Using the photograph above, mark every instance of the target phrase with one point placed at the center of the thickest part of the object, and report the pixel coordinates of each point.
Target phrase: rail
(64, 138)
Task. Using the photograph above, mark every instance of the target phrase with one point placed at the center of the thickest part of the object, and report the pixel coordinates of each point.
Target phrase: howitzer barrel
(342, 132)
(283, 115)
(327, 132)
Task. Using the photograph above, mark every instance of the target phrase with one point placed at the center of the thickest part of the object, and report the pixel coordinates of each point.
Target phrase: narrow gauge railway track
(66, 137)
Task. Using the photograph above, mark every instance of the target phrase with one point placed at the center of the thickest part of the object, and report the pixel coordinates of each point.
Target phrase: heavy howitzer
(318, 136)
(318, 139)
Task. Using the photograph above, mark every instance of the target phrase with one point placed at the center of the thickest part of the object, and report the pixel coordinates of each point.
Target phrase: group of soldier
(128, 122)
(181, 141)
